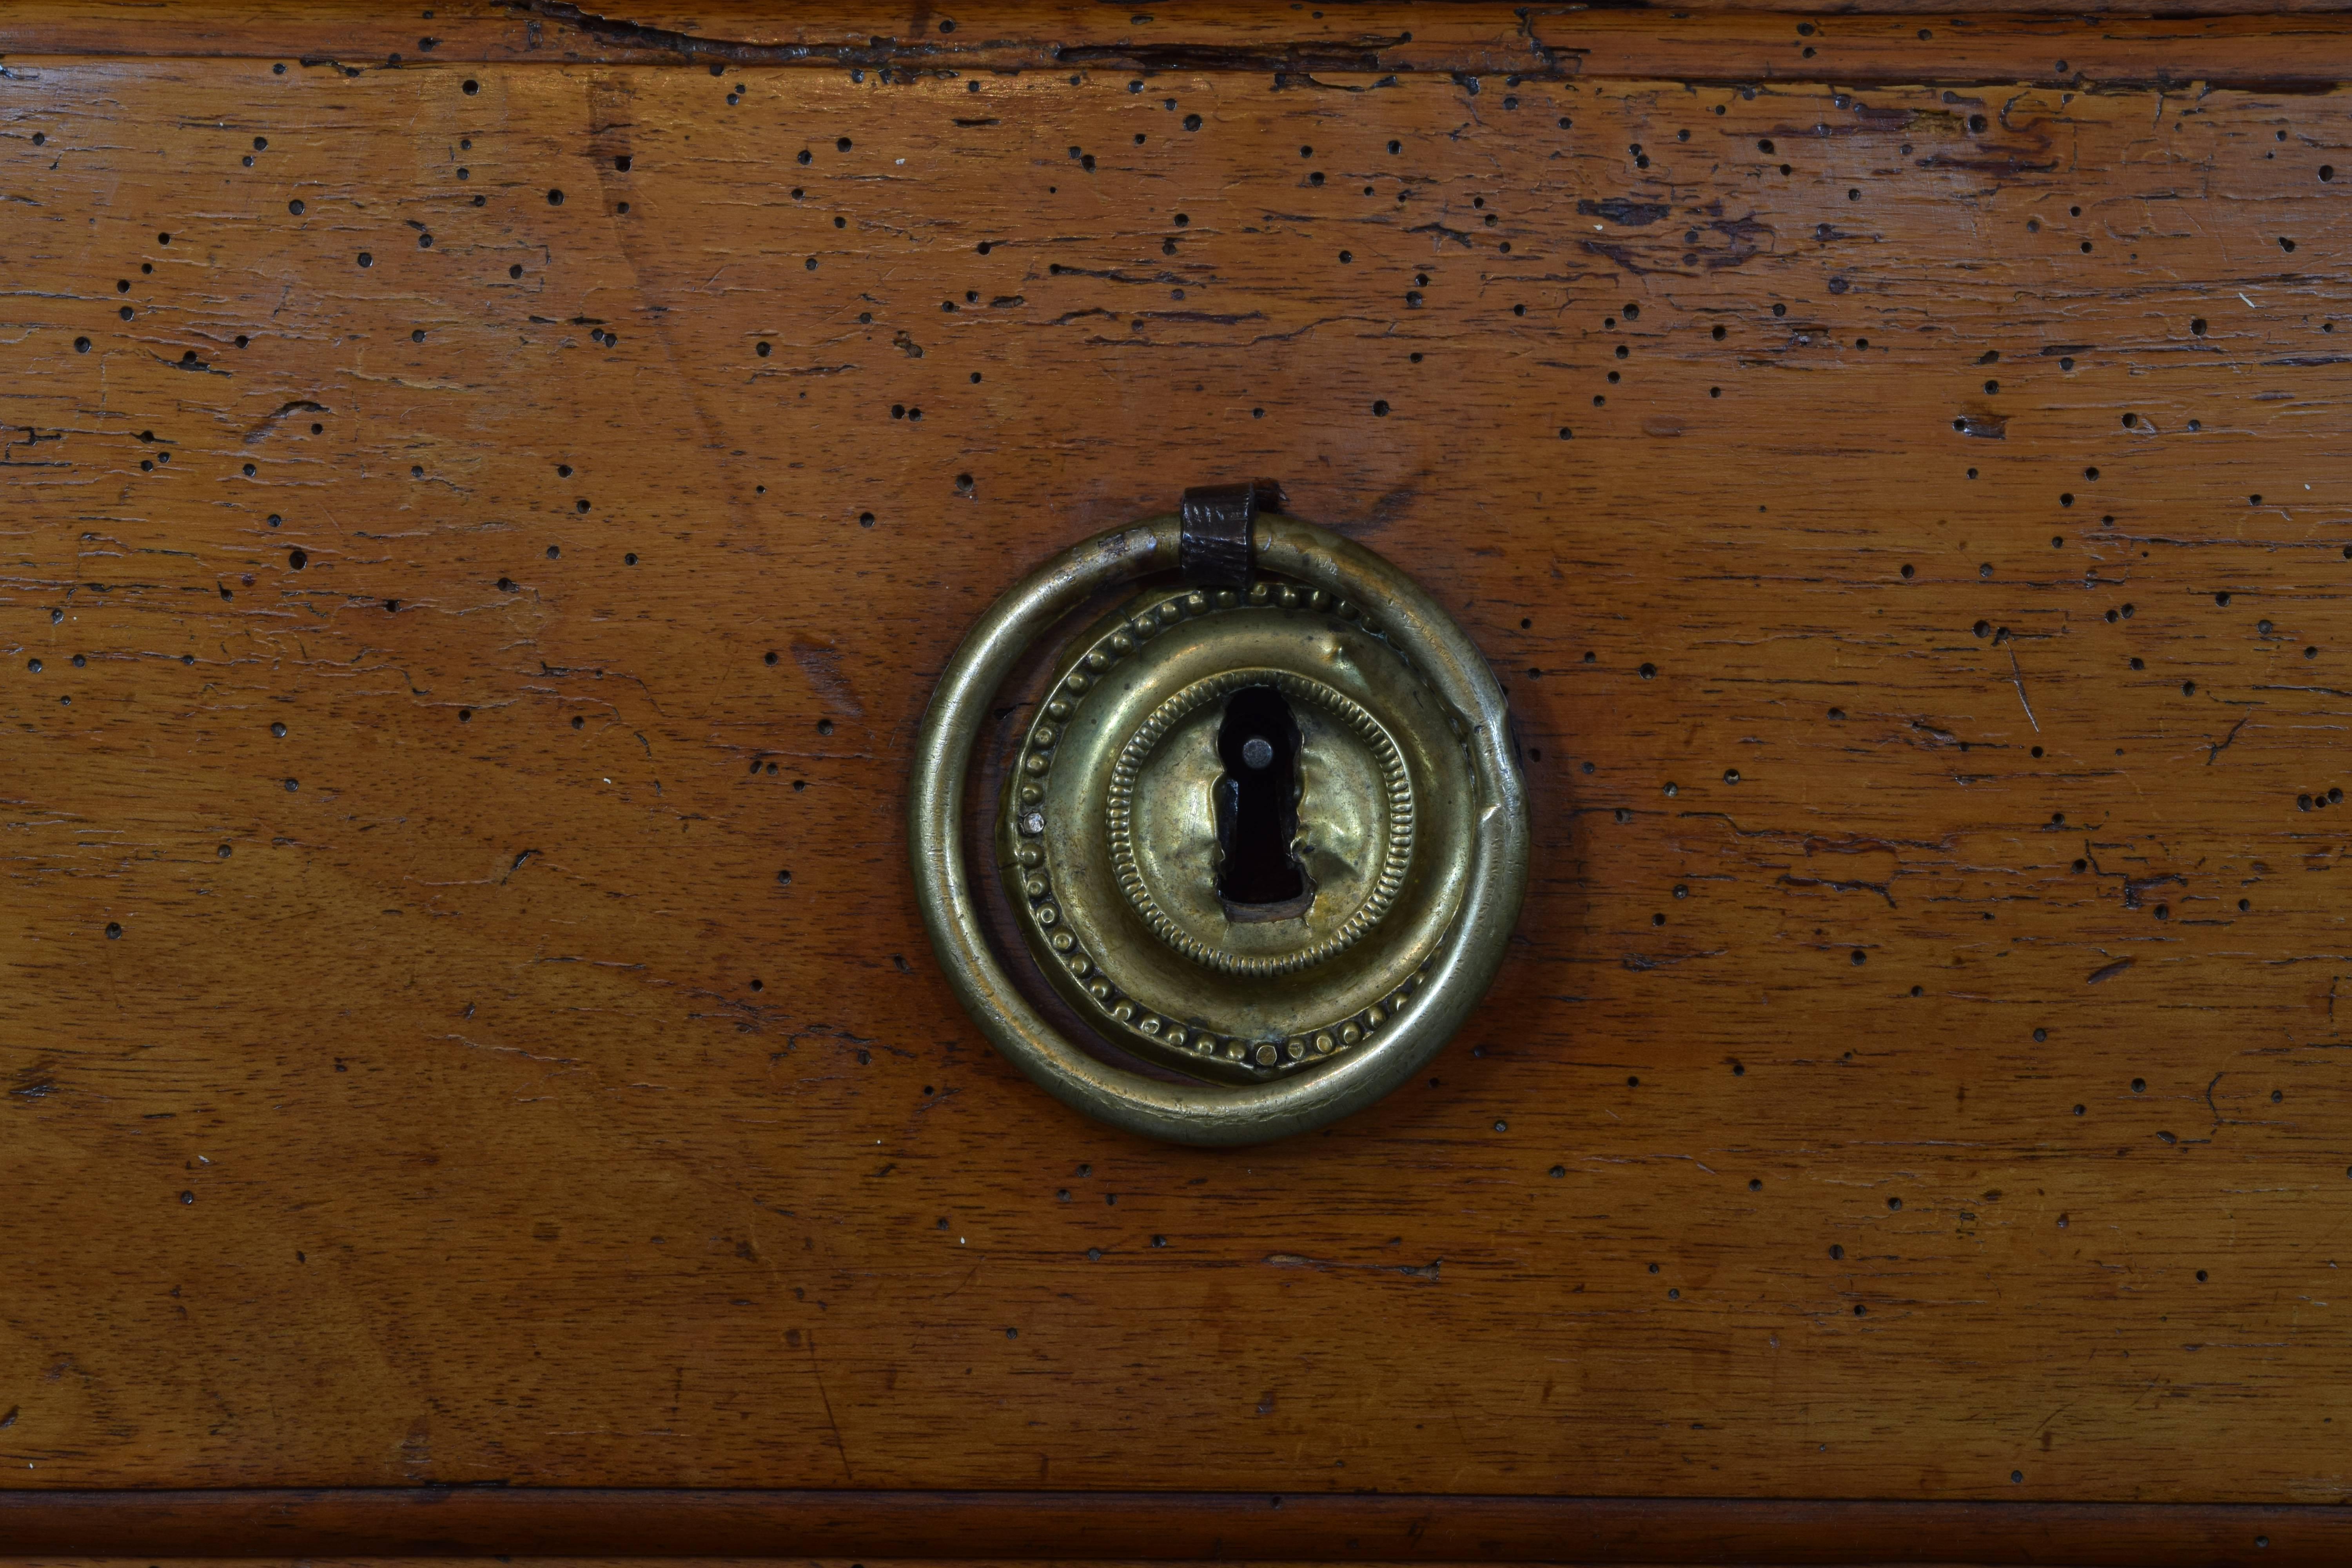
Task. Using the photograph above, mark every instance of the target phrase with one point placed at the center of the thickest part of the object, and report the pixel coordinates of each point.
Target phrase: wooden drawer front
(469, 593)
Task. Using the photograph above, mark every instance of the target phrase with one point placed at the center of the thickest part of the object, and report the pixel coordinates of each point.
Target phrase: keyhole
(1257, 805)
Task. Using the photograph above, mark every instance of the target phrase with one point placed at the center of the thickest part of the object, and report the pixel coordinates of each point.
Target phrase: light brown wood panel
(1953, 1106)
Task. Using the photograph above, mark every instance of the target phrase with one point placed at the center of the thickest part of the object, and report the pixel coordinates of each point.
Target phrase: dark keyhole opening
(1257, 800)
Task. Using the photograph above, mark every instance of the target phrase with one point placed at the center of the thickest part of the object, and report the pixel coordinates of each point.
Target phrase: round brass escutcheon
(1119, 828)
(1167, 851)
(1269, 837)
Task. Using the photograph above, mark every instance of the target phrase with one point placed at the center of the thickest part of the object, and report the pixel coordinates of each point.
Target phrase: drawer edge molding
(654, 1523)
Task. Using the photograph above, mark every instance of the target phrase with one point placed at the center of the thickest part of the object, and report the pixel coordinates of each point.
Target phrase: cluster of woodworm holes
(1413, 299)
(297, 558)
(1192, 122)
(1380, 408)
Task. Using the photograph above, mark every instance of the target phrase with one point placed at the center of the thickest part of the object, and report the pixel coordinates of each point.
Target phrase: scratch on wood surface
(816, 1370)
(2223, 743)
(2016, 675)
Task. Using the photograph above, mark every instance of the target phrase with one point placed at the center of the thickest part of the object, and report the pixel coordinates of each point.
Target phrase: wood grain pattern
(1919, 1074)
(2268, 46)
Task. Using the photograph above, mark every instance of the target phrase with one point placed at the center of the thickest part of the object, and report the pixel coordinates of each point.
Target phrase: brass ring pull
(1336, 615)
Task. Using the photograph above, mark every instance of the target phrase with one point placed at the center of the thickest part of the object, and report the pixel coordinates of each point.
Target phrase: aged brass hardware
(1262, 831)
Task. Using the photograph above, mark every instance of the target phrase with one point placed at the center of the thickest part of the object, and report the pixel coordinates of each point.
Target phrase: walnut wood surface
(1919, 1074)
(2265, 45)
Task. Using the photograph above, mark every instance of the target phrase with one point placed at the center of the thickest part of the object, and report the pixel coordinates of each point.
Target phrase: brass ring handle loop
(1460, 970)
